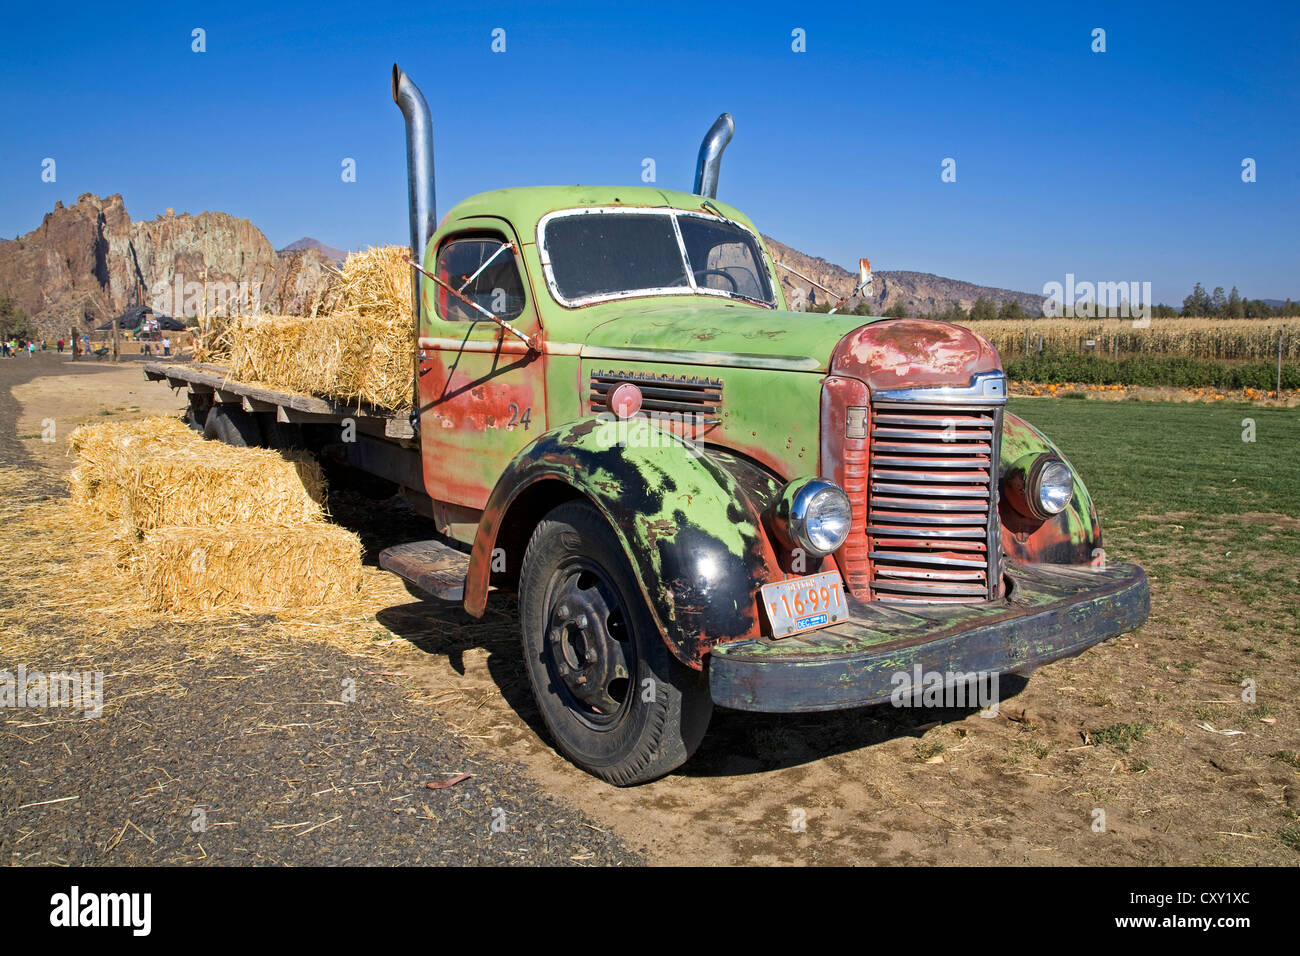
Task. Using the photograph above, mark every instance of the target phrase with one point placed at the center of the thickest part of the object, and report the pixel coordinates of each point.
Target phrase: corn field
(1234, 339)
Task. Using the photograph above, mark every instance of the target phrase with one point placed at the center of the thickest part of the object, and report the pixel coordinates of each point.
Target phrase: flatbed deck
(215, 380)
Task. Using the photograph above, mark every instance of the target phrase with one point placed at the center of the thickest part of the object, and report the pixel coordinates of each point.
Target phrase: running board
(430, 565)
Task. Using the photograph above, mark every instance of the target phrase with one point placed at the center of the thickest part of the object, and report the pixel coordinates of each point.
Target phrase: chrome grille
(932, 502)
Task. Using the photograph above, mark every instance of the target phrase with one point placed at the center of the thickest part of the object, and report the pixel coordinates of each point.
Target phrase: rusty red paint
(752, 450)
(655, 530)
(1030, 541)
(844, 461)
(465, 408)
(905, 353)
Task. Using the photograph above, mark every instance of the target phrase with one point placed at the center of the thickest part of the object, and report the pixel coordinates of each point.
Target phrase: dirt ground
(1101, 759)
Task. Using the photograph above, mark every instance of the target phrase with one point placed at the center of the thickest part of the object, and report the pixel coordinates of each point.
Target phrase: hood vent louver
(662, 395)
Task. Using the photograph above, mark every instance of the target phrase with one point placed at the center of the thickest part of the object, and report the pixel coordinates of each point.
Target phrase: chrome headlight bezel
(805, 509)
(1052, 486)
(1028, 484)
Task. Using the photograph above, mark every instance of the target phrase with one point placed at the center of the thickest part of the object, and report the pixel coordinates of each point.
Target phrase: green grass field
(1151, 457)
(1180, 492)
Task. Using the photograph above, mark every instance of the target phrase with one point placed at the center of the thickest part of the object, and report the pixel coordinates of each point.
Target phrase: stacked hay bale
(99, 450)
(207, 526)
(249, 567)
(359, 352)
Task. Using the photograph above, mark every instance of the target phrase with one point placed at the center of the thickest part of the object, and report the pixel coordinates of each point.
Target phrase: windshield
(598, 254)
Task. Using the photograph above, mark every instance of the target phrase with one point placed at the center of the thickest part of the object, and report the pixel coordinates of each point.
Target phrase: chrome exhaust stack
(421, 200)
(419, 160)
(710, 159)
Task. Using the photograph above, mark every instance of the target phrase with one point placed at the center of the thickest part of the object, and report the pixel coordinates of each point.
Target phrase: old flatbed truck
(699, 496)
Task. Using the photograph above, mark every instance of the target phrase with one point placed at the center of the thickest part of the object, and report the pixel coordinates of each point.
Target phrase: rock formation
(88, 262)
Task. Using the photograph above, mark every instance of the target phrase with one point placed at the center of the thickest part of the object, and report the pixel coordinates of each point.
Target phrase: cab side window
(485, 273)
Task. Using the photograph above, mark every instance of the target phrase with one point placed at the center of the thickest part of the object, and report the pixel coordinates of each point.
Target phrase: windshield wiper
(741, 296)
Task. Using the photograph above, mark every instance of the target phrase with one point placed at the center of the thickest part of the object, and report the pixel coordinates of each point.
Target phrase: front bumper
(1050, 611)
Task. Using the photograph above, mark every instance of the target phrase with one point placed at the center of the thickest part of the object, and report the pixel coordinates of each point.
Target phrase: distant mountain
(920, 293)
(336, 256)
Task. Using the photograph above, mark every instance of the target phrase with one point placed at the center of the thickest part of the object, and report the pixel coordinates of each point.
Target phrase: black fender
(690, 522)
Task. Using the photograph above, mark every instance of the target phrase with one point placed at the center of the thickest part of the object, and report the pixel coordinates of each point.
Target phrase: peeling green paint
(1070, 537)
(694, 533)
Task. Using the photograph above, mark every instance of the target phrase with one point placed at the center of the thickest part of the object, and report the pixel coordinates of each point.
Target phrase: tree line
(1231, 306)
(14, 323)
(981, 309)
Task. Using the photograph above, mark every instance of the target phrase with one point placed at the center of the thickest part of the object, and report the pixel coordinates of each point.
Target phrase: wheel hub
(589, 646)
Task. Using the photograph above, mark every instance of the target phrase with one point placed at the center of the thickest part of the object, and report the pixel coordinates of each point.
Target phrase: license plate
(805, 604)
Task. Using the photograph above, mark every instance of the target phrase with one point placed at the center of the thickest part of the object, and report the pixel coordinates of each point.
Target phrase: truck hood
(722, 335)
(913, 353)
(884, 353)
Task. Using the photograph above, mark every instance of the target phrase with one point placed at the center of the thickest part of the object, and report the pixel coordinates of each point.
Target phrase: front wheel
(616, 701)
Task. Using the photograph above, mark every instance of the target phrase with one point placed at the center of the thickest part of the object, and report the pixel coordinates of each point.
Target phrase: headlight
(1039, 486)
(1054, 487)
(813, 514)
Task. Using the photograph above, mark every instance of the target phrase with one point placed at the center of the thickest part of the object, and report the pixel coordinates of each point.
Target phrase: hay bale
(207, 526)
(158, 472)
(377, 284)
(102, 448)
(90, 442)
(271, 350)
(346, 356)
(360, 352)
(210, 483)
(253, 567)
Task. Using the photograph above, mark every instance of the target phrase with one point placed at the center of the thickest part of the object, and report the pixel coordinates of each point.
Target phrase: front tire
(616, 701)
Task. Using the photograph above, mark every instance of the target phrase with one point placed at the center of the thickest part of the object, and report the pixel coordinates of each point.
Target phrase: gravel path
(312, 756)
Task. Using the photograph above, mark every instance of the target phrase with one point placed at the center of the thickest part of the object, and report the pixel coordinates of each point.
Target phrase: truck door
(482, 395)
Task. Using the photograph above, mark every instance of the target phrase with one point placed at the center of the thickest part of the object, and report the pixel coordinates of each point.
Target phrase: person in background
(167, 346)
(60, 346)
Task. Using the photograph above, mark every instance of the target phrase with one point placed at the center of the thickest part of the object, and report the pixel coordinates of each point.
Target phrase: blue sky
(1115, 166)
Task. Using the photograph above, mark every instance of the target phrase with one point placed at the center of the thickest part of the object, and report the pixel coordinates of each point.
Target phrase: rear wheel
(232, 425)
(616, 701)
(277, 434)
(196, 413)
